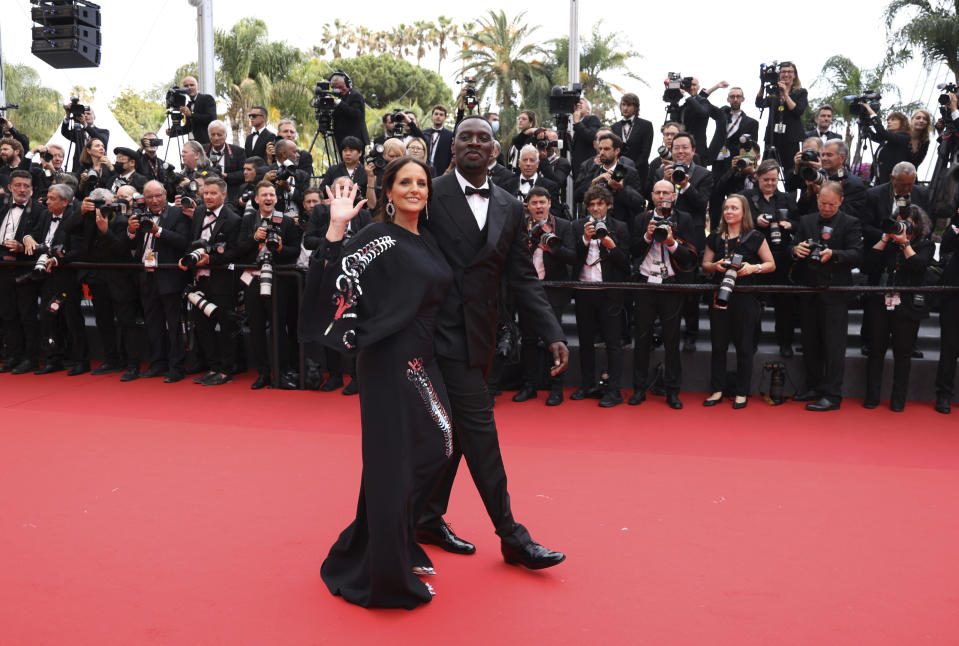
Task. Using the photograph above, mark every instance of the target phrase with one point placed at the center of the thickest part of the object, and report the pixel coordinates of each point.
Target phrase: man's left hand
(560, 358)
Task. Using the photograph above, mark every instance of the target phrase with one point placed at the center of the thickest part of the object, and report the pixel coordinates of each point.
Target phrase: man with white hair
(585, 127)
(199, 111)
(529, 175)
(225, 159)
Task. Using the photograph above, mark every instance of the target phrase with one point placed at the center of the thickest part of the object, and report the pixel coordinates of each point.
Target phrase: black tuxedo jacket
(259, 149)
(627, 202)
(320, 221)
(504, 178)
(639, 144)
(444, 149)
(747, 126)
(584, 133)
(543, 182)
(151, 168)
(136, 180)
(556, 263)
(613, 262)
(304, 161)
(829, 134)
(248, 248)
(349, 118)
(685, 260)
(28, 222)
(480, 260)
(792, 118)
(878, 207)
(339, 170)
(950, 273)
(845, 240)
(233, 159)
(169, 248)
(694, 201)
(557, 170)
(224, 238)
(695, 114)
(203, 109)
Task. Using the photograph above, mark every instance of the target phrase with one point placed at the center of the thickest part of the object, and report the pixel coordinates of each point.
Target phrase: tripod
(330, 152)
(174, 128)
(865, 143)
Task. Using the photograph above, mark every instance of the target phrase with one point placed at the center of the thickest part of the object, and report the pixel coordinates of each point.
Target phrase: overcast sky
(144, 42)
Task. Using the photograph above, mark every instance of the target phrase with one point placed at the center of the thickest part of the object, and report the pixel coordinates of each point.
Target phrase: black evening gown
(378, 295)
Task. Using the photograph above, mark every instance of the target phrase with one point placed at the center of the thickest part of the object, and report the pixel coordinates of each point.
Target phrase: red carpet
(703, 526)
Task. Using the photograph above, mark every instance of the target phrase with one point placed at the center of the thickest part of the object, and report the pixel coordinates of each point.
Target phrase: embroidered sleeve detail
(420, 379)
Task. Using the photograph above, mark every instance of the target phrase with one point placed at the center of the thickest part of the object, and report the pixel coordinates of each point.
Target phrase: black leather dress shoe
(52, 366)
(578, 394)
(352, 388)
(289, 381)
(555, 398)
(807, 396)
(79, 368)
(25, 366)
(106, 368)
(532, 555)
(917, 354)
(154, 371)
(262, 381)
(943, 405)
(173, 377)
(672, 400)
(689, 345)
(333, 383)
(897, 405)
(637, 398)
(202, 378)
(712, 402)
(218, 379)
(444, 538)
(823, 404)
(198, 369)
(525, 395)
(870, 403)
(132, 374)
(611, 398)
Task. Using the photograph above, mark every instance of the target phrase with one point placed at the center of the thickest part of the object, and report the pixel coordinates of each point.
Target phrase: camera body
(542, 234)
(733, 265)
(769, 76)
(470, 100)
(273, 231)
(675, 84)
(775, 231)
(600, 228)
(815, 250)
(563, 99)
(75, 108)
(946, 88)
(744, 161)
(324, 101)
(664, 153)
(197, 249)
(680, 173)
(375, 154)
(895, 225)
(663, 223)
(856, 103)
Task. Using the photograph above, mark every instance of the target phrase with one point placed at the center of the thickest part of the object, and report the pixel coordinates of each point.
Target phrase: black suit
(504, 178)
(694, 200)
(80, 137)
(948, 316)
(233, 159)
(340, 170)
(111, 183)
(638, 144)
(695, 114)
(788, 143)
(443, 155)
(542, 182)
(258, 148)
(627, 201)
(584, 132)
(203, 109)
(349, 118)
(828, 135)
(728, 142)
(18, 303)
(557, 169)
(150, 167)
(466, 331)
(877, 207)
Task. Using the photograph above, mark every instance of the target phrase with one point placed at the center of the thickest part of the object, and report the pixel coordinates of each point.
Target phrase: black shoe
(525, 394)
(131, 374)
(943, 405)
(314, 378)
(917, 354)
(218, 379)
(197, 369)
(689, 345)
(262, 381)
(532, 555)
(25, 366)
(637, 398)
(352, 388)
(202, 378)
(173, 377)
(154, 371)
(712, 402)
(106, 368)
(786, 351)
(555, 398)
(870, 403)
(289, 381)
(672, 399)
(52, 366)
(823, 404)
(333, 383)
(738, 405)
(611, 398)
(807, 396)
(444, 538)
(579, 393)
(897, 405)
(79, 368)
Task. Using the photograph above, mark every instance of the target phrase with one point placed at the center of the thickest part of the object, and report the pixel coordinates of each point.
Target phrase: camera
(398, 117)
(563, 100)
(273, 231)
(816, 248)
(675, 84)
(618, 172)
(775, 231)
(664, 153)
(187, 192)
(75, 108)
(286, 171)
(895, 226)
(46, 156)
(265, 262)
(680, 173)
(746, 142)
(197, 250)
(375, 155)
(600, 228)
(151, 142)
(946, 88)
(663, 223)
(743, 162)
(105, 208)
(769, 76)
(176, 98)
(323, 104)
(733, 265)
(470, 100)
(542, 235)
(197, 299)
(856, 103)
(808, 172)
(777, 381)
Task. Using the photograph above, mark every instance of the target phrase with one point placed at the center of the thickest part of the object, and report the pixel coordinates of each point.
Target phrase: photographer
(11, 156)
(832, 160)
(553, 249)
(499, 174)
(255, 143)
(78, 127)
(18, 298)
(439, 142)
(8, 131)
(193, 160)
(786, 100)
(95, 167)
(125, 171)
(668, 130)
(215, 231)
(267, 238)
(882, 201)
(696, 112)
(226, 160)
(948, 319)
(899, 258)
(164, 241)
(612, 174)
(199, 111)
(636, 133)
(775, 217)
(148, 164)
(552, 165)
(254, 169)
(349, 113)
(738, 177)
(661, 255)
(601, 256)
(734, 316)
(829, 247)
(739, 125)
(286, 129)
(895, 140)
(288, 180)
(529, 175)
(351, 152)
(585, 127)
(823, 119)
(525, 134)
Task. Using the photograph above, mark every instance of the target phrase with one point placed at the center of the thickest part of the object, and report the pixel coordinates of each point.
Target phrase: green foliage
(40, 109)
(931, 26)
(385, 81)
(137, 114)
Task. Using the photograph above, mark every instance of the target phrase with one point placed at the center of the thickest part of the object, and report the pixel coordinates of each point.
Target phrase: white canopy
(105, 119)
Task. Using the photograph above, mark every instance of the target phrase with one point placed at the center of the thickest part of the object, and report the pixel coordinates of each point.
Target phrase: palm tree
(424, 32)
(333, 38)
(446, 30)
(40, 112)
(932, 28)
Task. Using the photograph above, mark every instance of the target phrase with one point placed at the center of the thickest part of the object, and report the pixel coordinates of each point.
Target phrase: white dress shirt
(478, 203)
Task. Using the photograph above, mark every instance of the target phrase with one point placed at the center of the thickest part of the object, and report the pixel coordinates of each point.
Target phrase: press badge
(150, 262)
(654, 280)
(892, 300)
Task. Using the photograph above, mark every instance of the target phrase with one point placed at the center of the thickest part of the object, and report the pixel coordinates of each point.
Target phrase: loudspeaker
(63, 53)
(68, 34)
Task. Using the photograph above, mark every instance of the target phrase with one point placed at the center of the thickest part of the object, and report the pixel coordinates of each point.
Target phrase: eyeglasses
(415, 149)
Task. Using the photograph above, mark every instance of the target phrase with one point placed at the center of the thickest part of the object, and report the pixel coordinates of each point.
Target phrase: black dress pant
(535, 357)
(259, 311)
(115, 306)
(62, 332)
(161, 314)
(18, 315)
(889, 328)
(737, 323)
(825, 320)
(668, 306)
(599, 311)
(784, 304)
(217, 334)
(948, 347)
(475, 438)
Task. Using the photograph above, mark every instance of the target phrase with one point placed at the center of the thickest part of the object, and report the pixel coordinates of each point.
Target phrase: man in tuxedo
(163, 242)
(881, 201)
(695, 114)
(552, 164)
(825, 316)
(198, 113)
(529, 175)
(611, 172)
(216, 229)
(823, 119)
(349, 112)
(351, 152)
(12, 158)
(289, 191)
(260, 135)
(500, 175)
(148, 164)
(668, 130)
(126, 171)
(585, 127)
(481, 230)
(440, 142)
(7, 130)
(948, 319)
(738, 125)
(80, 132)
(225, 159)
(286, 129)
(636, 133)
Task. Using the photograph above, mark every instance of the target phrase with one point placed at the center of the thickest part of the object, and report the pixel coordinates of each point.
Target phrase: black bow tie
(56, 219)
(482, 192)
(22, 206)
(523, 180)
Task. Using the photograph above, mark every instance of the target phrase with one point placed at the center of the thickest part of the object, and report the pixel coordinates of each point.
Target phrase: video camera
(4, 108)
(470, 100)
(856, 103)
(769, 76)
(562, 103)
(675, 84)
(176, 98)
(324, 100)
(75, 109)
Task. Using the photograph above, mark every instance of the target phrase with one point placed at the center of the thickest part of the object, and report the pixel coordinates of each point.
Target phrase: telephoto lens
(729, 281)
(601, 230)
(265, 262)
(198, 300)
(680, 172)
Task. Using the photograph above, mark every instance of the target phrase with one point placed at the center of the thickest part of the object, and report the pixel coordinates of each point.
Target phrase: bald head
(663, 191)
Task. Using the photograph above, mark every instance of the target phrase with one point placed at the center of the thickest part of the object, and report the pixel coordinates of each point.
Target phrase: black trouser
(825, 319)
(668, 307)
(888, 326)
(63, 332)
(599, 311)
(161, 314)
(948, 347)
(18, 315)
(115, 297)
(736, 324)
(259, 311)
(535, 357)
(219, 345)
(475, 438)
(783, 303)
